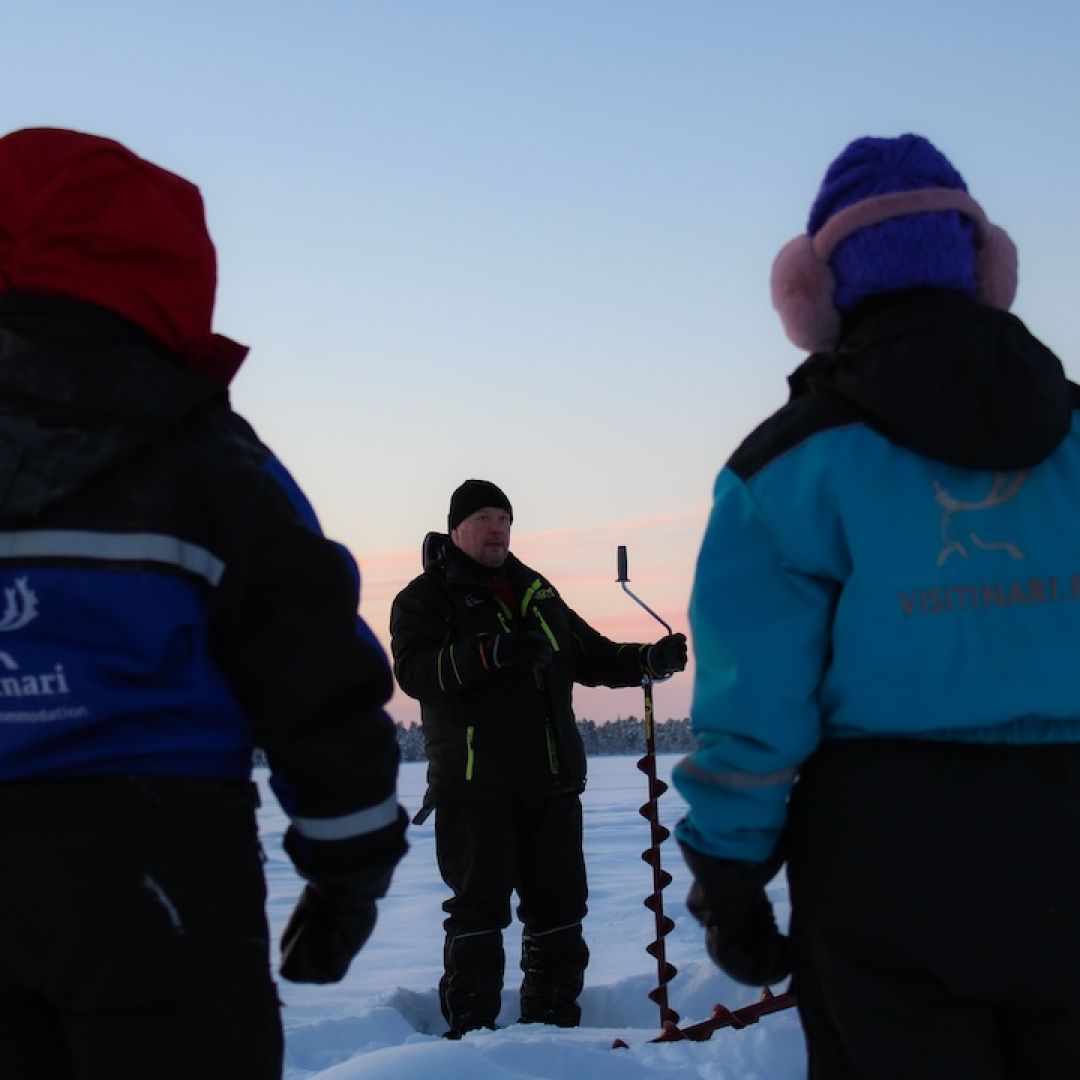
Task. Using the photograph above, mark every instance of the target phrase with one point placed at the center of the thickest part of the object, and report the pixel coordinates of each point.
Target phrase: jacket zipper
(549, 731)
(553, 750)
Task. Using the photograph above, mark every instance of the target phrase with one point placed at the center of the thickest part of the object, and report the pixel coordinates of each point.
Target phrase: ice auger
(657, 833)
(669, 1018)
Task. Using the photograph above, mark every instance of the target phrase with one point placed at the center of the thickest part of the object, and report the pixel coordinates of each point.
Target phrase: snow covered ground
(383, 1020)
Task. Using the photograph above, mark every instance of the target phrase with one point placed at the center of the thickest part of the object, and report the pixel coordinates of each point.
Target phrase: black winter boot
(470, 991)
(554, 963)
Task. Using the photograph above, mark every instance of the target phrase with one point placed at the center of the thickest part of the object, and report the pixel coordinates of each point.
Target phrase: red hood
(85, 217)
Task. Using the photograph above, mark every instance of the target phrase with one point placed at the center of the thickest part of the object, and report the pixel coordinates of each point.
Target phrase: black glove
(667, 656)
(520, 648)
(728, 899)
(332, 920)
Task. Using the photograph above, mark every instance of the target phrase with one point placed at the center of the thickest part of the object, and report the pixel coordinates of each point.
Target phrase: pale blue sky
(531, 241)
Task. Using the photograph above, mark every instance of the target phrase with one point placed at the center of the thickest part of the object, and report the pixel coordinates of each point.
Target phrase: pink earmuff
(802, 282)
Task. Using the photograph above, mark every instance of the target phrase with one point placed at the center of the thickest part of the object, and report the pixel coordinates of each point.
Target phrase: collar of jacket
(67, 356)
(952, 380)
(80, 391)
(461, 570)
(442, 558)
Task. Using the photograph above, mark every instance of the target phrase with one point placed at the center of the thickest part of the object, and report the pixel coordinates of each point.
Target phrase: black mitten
(520, 648)
(331, 923)
(667, 656)
(728, 898)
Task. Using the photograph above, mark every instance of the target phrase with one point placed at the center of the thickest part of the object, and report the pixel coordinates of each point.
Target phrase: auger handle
(622, 579)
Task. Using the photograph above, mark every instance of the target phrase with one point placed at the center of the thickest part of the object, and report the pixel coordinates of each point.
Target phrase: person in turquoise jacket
(885, 618)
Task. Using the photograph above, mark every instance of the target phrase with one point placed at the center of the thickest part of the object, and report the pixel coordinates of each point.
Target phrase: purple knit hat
(936, 250)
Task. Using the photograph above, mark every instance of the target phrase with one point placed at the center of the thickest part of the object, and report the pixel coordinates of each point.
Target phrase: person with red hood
(170, 604)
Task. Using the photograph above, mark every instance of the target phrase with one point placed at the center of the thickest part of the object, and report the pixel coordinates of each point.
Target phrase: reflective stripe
(736, 780)
(357, 824)
(470, 753)
(474, 933)
(547, 630)
(501, 610)
(525, 600)
(554, 930)
(112, 547)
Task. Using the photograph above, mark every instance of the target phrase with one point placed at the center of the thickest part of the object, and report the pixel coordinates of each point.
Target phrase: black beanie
(474, 495)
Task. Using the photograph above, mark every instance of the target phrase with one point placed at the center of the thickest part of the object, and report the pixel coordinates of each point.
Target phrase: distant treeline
(622, 736)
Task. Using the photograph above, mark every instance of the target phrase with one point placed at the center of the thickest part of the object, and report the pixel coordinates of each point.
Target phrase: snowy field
(383, 1020)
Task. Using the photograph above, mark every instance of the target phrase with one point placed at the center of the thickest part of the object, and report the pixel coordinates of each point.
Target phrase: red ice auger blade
(721, 1017)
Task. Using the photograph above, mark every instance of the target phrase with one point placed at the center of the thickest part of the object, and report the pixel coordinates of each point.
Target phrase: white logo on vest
(20, 606)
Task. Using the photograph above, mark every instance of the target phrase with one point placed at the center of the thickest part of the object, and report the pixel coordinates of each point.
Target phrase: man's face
(484, 536)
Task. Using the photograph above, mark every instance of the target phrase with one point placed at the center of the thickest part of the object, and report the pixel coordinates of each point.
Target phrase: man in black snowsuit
(170, 605)
(491, 651)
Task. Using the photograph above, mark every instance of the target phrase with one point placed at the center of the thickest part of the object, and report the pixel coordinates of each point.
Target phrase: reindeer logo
(1004, 488)
(20, 606)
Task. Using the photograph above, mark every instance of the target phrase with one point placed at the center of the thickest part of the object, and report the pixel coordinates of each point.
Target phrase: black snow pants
(133, 934)
(935, 892)
(486, 851)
